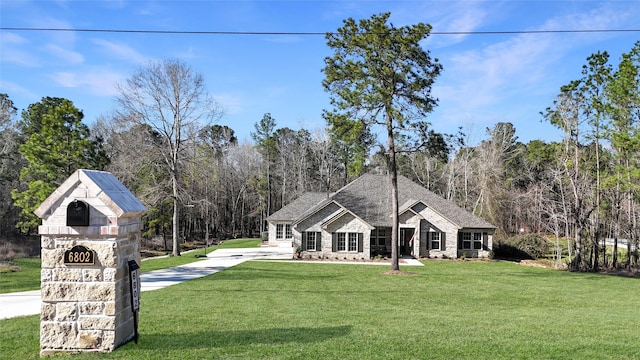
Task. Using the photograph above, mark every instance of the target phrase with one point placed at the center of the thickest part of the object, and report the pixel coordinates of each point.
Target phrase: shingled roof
(369, 197)
(101, 185)
(299, 206)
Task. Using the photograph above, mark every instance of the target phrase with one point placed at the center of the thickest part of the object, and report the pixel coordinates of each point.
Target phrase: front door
(405, 243)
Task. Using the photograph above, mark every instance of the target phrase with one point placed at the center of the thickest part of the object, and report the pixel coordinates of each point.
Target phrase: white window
(435, 240)
(353, 242)
(346, 242)
(313, 241)
(283, 231)
(342, 243)
(378, 237)
(472, 241)
(382, 237)
(477, 241)
(466, 241)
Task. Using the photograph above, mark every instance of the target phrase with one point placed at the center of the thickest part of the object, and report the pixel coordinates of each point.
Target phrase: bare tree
(326, 161)
(10, 164)
(171, 99)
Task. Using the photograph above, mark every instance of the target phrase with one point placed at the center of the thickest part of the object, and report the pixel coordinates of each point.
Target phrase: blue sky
(486, 78)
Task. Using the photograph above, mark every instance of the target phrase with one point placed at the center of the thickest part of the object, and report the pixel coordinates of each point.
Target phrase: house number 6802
(79, 255)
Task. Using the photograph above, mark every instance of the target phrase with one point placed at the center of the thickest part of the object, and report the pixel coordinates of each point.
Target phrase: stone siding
(336, 220)
(449, 234)
(273, 241)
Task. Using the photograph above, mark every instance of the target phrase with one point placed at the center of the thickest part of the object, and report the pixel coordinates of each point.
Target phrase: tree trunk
(176, 244)
(393, 173)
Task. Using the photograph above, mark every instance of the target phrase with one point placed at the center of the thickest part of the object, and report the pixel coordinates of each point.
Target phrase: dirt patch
(625, 273)
(633, 273)
(7, 267)
(546, 265)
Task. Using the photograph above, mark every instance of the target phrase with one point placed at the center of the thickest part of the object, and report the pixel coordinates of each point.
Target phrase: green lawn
(28, 278)
(444, 310)
(186, 258)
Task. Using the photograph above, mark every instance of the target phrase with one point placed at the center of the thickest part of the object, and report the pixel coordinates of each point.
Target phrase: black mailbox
(77, 214)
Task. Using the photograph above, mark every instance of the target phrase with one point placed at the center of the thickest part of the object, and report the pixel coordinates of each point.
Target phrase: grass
(27, 278)
(444, 310)
(186, 258)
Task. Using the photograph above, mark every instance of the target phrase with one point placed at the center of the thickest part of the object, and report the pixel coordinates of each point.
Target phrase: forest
(195, 177)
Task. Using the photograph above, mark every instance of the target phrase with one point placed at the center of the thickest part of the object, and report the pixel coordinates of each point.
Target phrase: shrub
(520, 247)
(532, 244)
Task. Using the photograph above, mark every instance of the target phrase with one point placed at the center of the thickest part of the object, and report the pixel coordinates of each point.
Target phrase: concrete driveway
(28, 302)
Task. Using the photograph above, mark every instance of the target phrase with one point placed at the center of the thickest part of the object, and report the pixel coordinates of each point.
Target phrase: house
(355, 223)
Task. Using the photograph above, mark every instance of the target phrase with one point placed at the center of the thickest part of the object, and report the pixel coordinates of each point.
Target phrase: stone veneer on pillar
(86, 305)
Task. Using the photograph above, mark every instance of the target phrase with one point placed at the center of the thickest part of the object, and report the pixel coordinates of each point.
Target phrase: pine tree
(56, 143)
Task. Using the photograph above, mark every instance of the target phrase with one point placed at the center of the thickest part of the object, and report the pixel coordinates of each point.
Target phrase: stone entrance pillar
(90, 232)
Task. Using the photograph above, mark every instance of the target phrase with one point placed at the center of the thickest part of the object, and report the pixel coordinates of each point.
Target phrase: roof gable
(101, 185)
(369, 199)
(298, 207)
(342, 214)
(462, 218)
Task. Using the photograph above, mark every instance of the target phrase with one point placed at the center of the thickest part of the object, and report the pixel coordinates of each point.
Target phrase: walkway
(28, 302)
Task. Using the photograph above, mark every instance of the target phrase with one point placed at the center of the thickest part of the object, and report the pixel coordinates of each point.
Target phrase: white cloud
(10, 38)
(460, 16)
(510, 80)
(11, 48)
(120, 51)
(65, 39)
(447, 16)
(608, 16)
(96, 81)
(67, 56)
(16, 90)
(521, 63)
(523, 57)
(230, 103)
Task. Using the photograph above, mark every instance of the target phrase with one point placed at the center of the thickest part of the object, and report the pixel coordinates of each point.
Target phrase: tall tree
(493, 164)
(214, 191)
(353, 141)
(566, 114)
(325, 160)
(10, 164)
(57, 144)
(623, 92)
(171, 98)
(265, 142)
(596, 77)
(381, 76)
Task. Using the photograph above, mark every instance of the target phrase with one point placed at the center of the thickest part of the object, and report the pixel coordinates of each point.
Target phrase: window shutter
(334, 242)
(304, 241)
(443, 241)
(485, 241)
(360, 242)
(459, 240)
